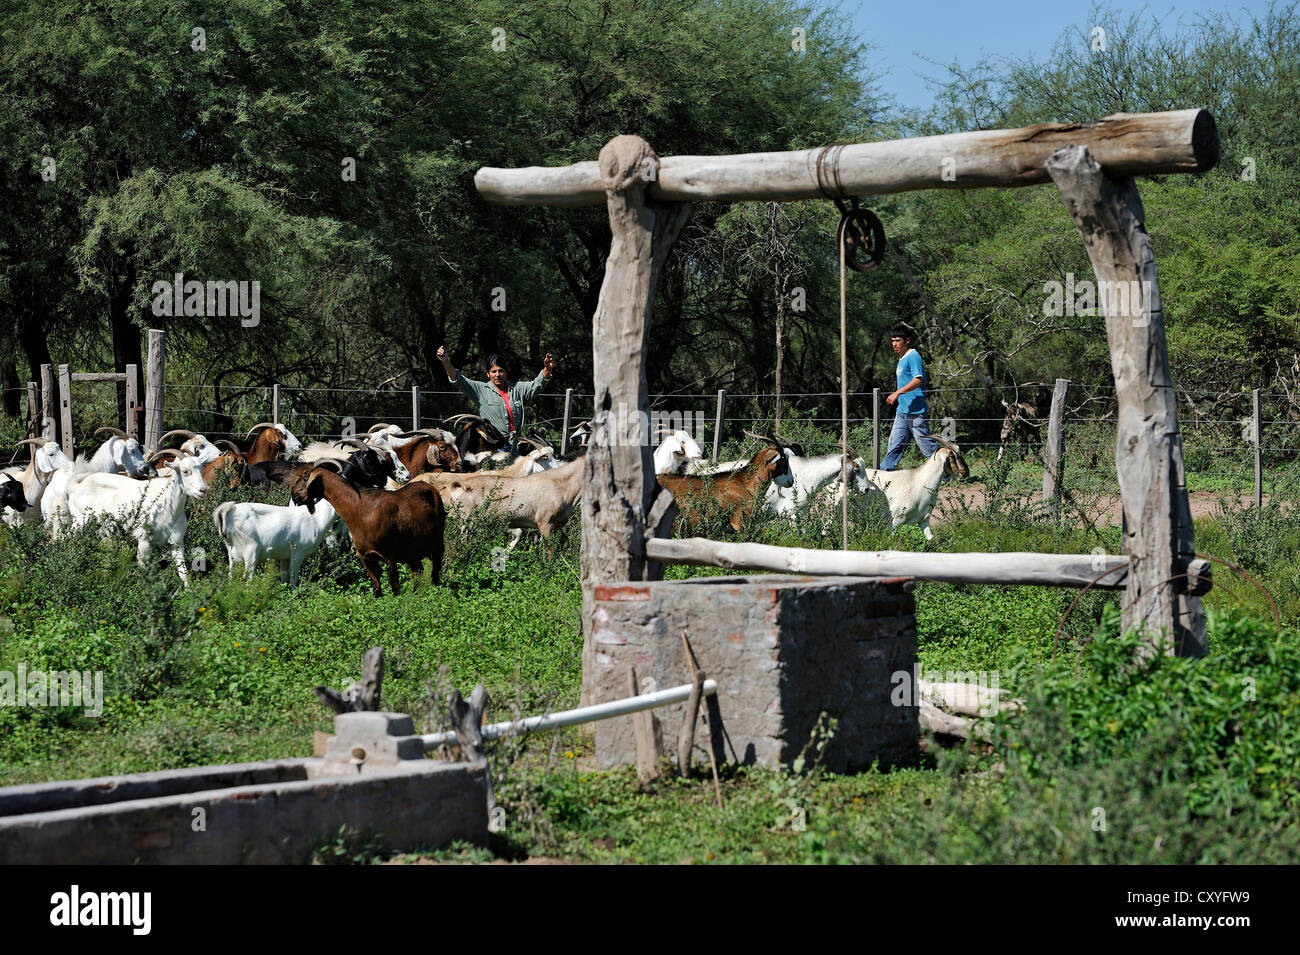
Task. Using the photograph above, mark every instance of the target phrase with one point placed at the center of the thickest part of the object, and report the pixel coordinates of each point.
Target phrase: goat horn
(380, 427)
(261, 424)
(222, 442)
(355, 442)
(117, 431)
(458, 417)
(172, 452)
(188, 434)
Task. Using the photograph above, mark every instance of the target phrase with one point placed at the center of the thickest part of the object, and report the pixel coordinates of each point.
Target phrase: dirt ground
(1105, 508)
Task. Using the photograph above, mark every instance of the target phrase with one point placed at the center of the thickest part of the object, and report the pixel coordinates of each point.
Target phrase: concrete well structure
(782, 648)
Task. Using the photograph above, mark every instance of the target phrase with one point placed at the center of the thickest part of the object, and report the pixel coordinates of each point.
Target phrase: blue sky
(904, 31)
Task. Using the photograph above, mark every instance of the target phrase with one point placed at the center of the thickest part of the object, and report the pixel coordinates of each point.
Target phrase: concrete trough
(783, 649)
(370, 780)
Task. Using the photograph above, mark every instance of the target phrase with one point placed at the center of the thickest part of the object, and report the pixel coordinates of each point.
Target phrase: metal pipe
(586, 714)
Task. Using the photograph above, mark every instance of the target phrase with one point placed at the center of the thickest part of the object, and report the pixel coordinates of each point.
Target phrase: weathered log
(643, 728)
(361, 695)
(1054, 449)
(467, 722)
(619, 484)
(1126, 144)
(1148, 455)
(1106, 571)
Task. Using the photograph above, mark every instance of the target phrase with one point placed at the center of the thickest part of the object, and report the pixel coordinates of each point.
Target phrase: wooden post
(65, 409)
(1257, 437)
(643, 730)
(49, 429)
(717, 425)
(275, 403)
(1149, 455)
(133, 401)
(875, 427)
(1054, 450)
(155, 371)
(33, 410)
(415, 407)
(564, 431)
(619, 486)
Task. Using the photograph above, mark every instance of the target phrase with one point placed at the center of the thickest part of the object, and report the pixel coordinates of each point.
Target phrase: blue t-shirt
(909, 367)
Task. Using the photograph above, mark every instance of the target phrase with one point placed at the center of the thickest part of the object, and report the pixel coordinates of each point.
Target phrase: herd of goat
(392, 488)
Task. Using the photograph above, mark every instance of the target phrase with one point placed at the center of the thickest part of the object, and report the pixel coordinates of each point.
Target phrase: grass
(223, 671)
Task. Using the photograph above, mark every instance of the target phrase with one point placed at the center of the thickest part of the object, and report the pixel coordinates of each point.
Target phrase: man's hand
(891, 398)
(548, 365)
(442, 354)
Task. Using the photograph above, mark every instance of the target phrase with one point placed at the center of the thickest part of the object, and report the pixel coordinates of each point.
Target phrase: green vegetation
(1187, 760)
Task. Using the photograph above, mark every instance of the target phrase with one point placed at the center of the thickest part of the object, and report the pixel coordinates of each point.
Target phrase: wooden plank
(1015, 568)
(1149, 457)
(133, 401)
(875, 428)
(1054, 449)
(98, 376)
(619, 483)
(564, 428)
(275, 403)
(643, 728)
(65, 409)
(1126, 144)
(1257, 438)
(155, 372)
(415, 407)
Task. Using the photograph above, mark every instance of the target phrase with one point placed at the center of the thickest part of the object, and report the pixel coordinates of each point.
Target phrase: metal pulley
(861, 233)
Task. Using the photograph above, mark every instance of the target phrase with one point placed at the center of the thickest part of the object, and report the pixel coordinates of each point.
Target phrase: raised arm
(447, 366)
(527, 391)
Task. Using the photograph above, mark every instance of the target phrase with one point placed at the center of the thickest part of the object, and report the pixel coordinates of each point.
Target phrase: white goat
(544, 500)
(910, 494)
(153, 510)
(196, 445)
(253, 533)
(118, 453)
(46, 462)
(810, 476)
(677, 450)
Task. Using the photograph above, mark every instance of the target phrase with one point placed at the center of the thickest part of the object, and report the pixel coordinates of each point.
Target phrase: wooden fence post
(621, 501)
(275, 403)
(1158, 534)
(564, 429)
(155, 370)
(133, 401)
(49, 428)
(415, 407)
(875, 427)
(1054, 450)
(65, 409)
(1258, 439)
(717, 425)
(33, 410)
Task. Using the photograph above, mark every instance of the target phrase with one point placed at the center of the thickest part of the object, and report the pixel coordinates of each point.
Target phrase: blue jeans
(918, 426)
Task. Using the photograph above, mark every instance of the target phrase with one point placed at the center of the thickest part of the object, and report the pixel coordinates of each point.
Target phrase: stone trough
(783, 649)
(373, 778)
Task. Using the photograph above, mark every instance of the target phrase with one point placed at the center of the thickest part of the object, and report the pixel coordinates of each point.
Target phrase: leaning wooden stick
(698, 675)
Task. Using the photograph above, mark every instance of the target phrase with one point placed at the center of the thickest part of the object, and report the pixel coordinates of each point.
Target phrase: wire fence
(1217, 429)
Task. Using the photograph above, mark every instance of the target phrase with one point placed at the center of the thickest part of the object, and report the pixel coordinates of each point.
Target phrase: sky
(906, 34)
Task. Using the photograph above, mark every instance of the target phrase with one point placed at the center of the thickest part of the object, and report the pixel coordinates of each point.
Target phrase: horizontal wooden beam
(1126, 144)
(98, 376)
(1050, 570)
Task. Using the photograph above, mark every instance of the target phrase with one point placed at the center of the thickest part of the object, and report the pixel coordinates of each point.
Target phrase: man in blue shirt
(912, 416)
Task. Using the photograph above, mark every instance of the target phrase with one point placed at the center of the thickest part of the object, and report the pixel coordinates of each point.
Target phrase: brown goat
(267, 446)
(428, 454)
(388, 527)
(736, 491)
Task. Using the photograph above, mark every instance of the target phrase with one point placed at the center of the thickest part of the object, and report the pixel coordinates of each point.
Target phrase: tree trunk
(1149, 452)
(618, 480)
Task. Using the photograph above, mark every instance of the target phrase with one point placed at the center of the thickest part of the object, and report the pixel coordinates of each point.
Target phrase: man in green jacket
(499, 401)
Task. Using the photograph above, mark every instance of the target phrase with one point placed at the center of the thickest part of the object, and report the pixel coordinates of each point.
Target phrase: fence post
(155, 370)
(717, 424)
(1054, 449)
(275, 403)
(564, 432)
(132, 402)
(415, 407)
(1257, 434)
(48, 429)
(33, 410)
(65, 408)
(875, 427)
